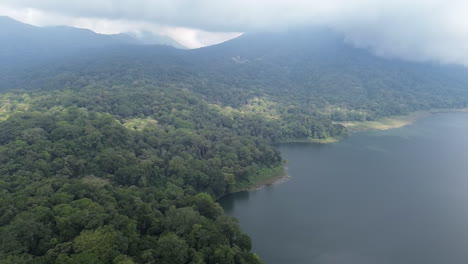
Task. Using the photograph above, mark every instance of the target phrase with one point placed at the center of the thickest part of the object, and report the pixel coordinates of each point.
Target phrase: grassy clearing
(383, 123)
(313, 140)
(394, 121)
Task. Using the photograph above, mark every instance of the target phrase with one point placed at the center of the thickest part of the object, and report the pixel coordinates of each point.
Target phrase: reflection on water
(231, 200)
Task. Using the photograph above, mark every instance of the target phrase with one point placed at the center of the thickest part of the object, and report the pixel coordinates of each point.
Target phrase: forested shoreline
(81, 186)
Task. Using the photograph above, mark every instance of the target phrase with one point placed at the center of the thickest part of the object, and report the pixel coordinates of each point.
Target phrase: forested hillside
(118, 154)
(102, 177)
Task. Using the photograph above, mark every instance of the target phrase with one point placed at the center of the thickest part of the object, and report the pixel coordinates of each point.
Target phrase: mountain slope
(23, 44)
(22, 40)
(319, 63)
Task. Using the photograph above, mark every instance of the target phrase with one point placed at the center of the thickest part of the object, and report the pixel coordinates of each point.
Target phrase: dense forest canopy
(118, 154)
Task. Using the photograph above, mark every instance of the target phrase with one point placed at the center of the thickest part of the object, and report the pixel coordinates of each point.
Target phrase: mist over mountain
(18, 37)
(22, 42)
(149, 38)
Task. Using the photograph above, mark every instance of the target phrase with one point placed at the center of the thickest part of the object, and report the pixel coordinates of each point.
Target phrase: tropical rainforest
(115, 152)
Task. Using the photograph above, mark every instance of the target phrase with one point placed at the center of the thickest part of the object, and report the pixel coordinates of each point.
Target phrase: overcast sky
(412, 29)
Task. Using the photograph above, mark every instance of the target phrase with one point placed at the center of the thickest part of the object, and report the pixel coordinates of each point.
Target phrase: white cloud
(416, 29)
(188, 37)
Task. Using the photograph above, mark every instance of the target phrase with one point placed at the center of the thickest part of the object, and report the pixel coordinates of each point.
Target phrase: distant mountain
(13, 32)
(149, 38)
(35, 51)
(21, 44)
(19, 37)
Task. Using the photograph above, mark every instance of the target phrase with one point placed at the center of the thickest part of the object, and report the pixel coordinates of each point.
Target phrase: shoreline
(263, 179)
(385, 123)
(392, 122)
(269, 181)
(327, 140)
(278, 175)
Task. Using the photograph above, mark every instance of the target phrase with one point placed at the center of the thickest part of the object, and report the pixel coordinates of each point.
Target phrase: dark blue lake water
(382, 197)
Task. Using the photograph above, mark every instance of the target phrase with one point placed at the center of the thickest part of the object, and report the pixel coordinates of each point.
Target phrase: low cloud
(419, 29)
(188, 37)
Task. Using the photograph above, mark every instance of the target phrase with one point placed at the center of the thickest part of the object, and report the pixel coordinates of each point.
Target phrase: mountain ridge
(12, 27)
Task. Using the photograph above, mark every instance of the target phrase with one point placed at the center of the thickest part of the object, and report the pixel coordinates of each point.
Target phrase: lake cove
(397, 196)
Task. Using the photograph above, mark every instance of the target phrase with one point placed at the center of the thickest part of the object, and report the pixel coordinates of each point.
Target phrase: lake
(381, 197)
